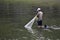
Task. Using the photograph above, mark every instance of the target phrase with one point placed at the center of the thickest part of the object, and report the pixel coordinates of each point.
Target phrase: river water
(13, 17)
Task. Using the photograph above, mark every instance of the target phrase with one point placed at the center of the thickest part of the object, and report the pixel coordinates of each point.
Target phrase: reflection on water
(44, 34)
(13, 17)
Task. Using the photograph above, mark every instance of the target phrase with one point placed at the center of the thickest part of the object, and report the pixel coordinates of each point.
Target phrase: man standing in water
(39, 16)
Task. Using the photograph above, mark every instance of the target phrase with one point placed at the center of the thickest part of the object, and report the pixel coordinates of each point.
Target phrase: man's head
(38, 9)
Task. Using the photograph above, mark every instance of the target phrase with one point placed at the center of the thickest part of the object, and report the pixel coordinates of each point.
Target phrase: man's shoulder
(41, 12)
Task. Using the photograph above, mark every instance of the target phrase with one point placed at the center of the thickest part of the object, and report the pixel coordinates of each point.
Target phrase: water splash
(38, 34)
(55, 27)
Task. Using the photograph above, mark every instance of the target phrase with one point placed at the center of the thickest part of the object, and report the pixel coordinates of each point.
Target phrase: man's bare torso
(40, 14)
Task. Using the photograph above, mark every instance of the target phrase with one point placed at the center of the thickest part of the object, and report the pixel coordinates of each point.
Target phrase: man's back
(40, 14)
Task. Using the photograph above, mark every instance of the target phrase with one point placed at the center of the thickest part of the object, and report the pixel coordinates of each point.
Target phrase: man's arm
(37, 15)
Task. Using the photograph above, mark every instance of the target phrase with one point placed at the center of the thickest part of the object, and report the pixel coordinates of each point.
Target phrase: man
(40, 17)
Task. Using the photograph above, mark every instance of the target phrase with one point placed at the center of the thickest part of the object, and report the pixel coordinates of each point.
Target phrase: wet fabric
(39, 23)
